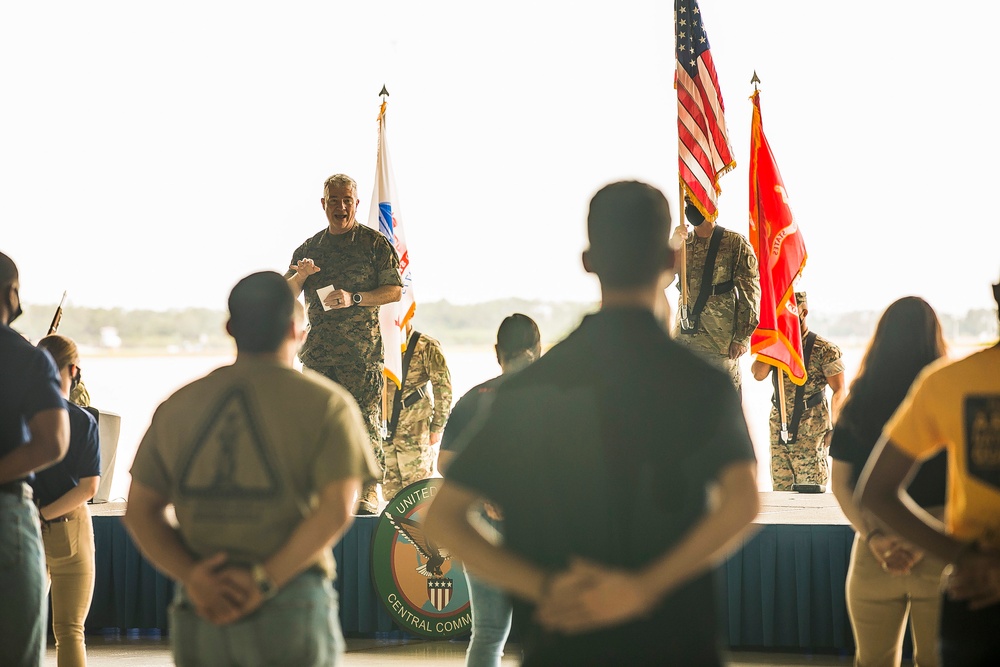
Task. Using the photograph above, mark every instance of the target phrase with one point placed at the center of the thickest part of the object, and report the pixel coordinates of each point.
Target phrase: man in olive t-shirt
(262, 465)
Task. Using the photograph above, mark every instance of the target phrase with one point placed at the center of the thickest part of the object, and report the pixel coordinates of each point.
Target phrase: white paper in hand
(324, 292)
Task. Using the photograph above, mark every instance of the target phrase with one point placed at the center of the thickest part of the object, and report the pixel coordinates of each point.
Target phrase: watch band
(263, 581)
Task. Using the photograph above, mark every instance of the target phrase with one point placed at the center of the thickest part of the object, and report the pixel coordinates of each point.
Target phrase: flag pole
(755, 80)
(682, 256)
(384, 94)
(781, 405)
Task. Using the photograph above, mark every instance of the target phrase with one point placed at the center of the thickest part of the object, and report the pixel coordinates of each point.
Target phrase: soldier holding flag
(718, 279)
(800, 363)
(724, 282)
(417, 415)
(801, 458)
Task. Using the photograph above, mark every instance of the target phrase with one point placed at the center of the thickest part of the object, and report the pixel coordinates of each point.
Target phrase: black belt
(716, 290)
(18, 488)
(419, 393)
(722, 288)
(810, 402)
(410, 400)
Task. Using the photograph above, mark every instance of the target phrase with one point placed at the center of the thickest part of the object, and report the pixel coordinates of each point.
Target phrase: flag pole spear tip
(755, 80)
(384, 92)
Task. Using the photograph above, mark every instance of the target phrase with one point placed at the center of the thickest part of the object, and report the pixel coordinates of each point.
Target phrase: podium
(109, 428)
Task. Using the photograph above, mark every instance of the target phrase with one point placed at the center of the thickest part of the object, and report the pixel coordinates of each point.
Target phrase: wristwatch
(263, 580)
(356, 298)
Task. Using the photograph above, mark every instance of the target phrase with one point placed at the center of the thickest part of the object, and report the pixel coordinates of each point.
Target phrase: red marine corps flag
(781, 253)
(704, 154)
(385, 217)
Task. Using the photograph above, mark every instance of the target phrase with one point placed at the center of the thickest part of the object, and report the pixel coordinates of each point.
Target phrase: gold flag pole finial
(755, 80)
(384, 94)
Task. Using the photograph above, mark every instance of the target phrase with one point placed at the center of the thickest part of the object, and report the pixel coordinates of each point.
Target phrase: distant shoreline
(201, 332)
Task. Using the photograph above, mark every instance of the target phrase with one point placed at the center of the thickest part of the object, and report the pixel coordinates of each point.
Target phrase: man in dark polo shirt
(34, 434)
(603, 462)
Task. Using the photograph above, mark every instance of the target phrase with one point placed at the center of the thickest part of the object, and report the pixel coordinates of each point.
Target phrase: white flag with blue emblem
(385, 217)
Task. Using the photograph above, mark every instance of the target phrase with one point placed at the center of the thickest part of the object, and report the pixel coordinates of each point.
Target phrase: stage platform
(782, 590)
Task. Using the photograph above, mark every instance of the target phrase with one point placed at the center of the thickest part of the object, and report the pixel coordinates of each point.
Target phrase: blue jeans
(297, 627)
(491, 614)
(24, 608)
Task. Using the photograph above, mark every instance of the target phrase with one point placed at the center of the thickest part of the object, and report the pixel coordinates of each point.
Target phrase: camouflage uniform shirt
(408, 454)
(360, 260)
(808, 453)
(426, 365)
(730, 317)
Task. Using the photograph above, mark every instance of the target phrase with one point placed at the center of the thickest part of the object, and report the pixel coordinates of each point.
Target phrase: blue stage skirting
(784, 589)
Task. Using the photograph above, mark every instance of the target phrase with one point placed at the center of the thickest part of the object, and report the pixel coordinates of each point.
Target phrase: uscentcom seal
(419, 583)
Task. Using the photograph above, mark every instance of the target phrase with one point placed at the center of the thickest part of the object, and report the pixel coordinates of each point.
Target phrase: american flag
(704, 154)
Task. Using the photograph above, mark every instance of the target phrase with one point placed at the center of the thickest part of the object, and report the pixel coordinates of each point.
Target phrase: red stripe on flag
(704, 153)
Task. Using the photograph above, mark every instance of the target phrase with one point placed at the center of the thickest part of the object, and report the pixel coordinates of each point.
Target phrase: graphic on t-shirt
(982, 433)
(229, 458)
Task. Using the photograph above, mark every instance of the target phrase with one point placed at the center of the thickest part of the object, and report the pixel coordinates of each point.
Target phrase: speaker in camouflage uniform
(346, 271)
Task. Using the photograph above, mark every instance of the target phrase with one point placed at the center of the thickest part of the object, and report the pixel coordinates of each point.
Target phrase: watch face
(356, 298)
(260, 577)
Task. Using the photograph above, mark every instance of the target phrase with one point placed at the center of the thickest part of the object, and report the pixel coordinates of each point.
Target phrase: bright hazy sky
(152, 154)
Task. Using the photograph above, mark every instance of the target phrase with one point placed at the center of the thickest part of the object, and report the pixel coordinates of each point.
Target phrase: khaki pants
(878, 603)
(69, 560)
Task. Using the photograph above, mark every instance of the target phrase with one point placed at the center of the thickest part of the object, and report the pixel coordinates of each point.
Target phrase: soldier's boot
(368, 503)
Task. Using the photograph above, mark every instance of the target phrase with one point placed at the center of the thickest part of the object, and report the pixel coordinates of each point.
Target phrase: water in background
(132, 387)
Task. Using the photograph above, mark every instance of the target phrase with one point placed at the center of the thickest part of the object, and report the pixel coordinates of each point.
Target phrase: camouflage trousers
(365, 386)
(803, 461)
(409, 458)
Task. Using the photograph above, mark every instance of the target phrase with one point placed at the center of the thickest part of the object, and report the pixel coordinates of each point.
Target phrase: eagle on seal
(414, 533)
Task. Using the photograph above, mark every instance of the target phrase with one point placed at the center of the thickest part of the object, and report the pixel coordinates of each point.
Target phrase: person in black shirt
(888, 577)
(518, 344)
(603, 463)
(34, 434)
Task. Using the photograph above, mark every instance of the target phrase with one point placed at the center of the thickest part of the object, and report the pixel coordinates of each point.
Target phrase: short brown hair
(261, 307)
(628, 226)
